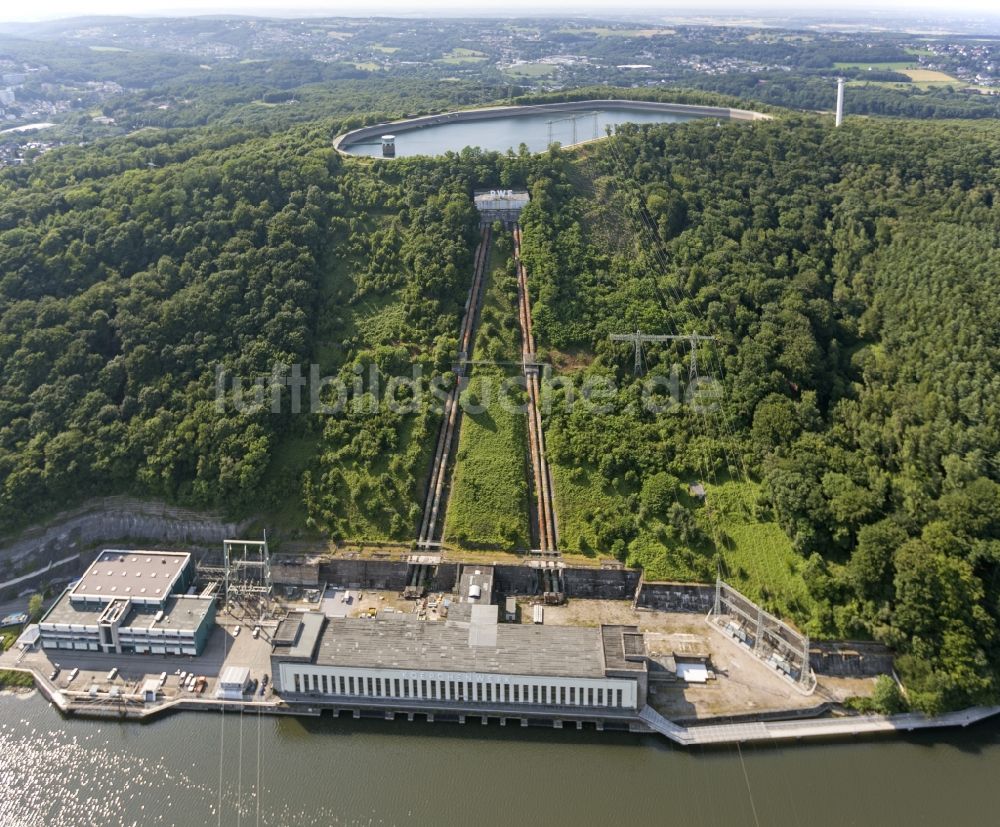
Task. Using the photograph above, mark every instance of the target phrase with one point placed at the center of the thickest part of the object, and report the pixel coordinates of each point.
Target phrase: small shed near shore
(233, 683)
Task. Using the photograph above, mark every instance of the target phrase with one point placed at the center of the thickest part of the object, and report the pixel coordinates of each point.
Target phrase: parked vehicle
(72, 675)
(55, 672)
(236, 631)
(256, 632)
(112, 674)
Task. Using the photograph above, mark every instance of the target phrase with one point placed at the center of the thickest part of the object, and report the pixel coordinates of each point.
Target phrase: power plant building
(131, 602)
(469, 662)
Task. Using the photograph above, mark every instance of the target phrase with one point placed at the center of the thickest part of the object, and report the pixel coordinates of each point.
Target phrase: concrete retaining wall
(389, 575)
(445, 578)
(65, 569)
(850, 659)
(104, 522)
(603, 584)
(607, 584)
(677, 597)
(342, 142)
(515, 580)
(294, 572)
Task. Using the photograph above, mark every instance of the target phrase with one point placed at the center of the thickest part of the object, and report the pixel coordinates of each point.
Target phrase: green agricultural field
(531, 70)
(606, 31)
(921, 77)
(460, 55)
(896, 66)
(885, 84)
(930, 77)
(488, 507)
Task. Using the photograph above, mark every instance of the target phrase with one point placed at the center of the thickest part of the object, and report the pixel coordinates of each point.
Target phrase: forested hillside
(120, 292)
(131, 273)
(851, 278)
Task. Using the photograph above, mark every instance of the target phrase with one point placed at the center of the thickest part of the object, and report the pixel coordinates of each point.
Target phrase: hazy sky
(46, 9)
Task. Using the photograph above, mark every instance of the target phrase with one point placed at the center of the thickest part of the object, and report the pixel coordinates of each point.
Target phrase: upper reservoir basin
(503, 128)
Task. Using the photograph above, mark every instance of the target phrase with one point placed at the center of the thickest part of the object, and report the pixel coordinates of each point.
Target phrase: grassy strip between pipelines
(488, 507)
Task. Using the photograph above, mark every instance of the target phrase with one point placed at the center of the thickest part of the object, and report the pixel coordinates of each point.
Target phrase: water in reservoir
(510, 132)
(56, 771)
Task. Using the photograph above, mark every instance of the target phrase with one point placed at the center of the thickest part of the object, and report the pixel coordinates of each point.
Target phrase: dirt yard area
(742, 684)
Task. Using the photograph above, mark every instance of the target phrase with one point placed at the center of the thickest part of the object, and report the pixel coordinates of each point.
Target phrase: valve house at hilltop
(501, 205)
(132, 601)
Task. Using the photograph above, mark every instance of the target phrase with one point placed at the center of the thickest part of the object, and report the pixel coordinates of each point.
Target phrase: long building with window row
(470, 662)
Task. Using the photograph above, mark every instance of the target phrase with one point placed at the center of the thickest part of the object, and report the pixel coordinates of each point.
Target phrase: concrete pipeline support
(450, 422)
(548, 540)
(527, 354)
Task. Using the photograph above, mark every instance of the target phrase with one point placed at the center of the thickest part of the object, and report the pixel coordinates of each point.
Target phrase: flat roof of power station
(455, 646)
(180, 612)
(296, 635)
(146, 575)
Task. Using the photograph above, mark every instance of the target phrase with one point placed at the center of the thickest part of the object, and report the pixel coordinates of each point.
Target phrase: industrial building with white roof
(131, 601)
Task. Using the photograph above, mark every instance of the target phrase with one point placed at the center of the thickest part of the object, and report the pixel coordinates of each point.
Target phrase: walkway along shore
(646, 721)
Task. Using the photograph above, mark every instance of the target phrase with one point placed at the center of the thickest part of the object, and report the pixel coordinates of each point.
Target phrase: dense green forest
(119, 291)
(124, 288)
(849, 277)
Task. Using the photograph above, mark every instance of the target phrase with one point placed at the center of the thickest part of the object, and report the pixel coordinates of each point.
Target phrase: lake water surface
(505, 133)
(56, 771)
